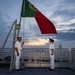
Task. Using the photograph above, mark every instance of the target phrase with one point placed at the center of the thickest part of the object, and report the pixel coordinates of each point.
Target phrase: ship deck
(37, 71)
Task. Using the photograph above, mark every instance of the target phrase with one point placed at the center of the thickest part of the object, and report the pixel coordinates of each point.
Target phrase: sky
(60, 12)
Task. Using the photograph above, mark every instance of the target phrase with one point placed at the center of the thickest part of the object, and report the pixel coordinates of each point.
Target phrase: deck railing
(40, 57)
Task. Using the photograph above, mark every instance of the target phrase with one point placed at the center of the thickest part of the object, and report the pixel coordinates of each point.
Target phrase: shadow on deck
(37, 71)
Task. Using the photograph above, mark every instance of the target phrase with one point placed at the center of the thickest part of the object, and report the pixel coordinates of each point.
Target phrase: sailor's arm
(52, 51)
(17, 51)
(22, 44)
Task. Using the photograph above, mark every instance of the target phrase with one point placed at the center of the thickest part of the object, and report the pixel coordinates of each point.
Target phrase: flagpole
(23, 19)
(20, 20)
(19, 26)
(23, 28)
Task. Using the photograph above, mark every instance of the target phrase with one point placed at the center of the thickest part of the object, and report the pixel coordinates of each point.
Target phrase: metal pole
(20, 21)
(61, 58)
(7, 36)
(19, 27)
(12, 64)
(60, 47)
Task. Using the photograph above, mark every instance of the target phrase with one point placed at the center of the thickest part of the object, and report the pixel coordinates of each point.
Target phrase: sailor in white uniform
(18, 48)
(52, 53)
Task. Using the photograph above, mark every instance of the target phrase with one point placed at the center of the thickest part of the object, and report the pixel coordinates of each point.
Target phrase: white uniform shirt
(51, 47)
(18, 45)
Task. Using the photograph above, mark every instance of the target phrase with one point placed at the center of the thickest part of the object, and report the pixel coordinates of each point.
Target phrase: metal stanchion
(60, 47)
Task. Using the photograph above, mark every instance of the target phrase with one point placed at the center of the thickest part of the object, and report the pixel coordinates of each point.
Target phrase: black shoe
(51, 69)
(17, 69)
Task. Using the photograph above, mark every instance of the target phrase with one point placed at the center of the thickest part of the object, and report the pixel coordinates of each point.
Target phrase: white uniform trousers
(52, 61)
(17, 62)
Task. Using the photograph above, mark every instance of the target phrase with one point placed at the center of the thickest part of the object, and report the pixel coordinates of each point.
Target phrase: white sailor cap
(19, 36)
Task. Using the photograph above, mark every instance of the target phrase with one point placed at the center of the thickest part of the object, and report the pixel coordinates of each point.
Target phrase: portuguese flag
(45, 25)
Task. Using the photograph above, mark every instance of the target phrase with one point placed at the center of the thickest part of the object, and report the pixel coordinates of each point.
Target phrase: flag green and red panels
(45, 25)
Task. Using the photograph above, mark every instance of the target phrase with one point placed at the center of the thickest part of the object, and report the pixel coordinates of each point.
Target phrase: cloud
(5, 25)
(68, 36)
(66, 26)
(63, 9)
(36, 42)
